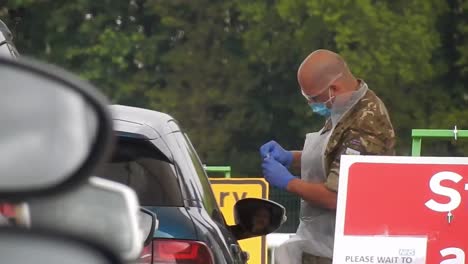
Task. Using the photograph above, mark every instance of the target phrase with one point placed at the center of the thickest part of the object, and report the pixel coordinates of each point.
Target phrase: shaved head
(320, 69)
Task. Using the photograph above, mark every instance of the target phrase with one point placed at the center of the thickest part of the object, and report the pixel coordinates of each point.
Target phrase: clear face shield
(321, 108)
(313, 98)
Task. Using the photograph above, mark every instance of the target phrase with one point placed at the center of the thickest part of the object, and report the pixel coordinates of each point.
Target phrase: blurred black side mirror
(257, 217)
(148, 223)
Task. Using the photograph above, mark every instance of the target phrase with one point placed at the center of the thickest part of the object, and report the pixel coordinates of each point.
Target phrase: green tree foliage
(227, 69)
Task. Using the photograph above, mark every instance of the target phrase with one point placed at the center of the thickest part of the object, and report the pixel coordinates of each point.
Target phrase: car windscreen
(140, 165)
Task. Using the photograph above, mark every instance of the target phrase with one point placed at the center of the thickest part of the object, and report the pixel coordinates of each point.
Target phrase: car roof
(149, 123)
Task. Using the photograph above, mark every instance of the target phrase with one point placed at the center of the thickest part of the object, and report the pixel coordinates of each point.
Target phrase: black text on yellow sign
(227, 193)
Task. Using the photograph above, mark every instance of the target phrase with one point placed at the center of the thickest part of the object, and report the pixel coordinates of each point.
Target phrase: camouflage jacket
(365, 129)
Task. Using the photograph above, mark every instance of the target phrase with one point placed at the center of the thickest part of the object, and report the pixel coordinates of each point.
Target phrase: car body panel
(177, 223)
(142, 130)
(216, 235)
(156, 120)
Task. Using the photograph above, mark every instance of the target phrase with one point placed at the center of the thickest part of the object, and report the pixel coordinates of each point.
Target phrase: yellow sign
(227, 193)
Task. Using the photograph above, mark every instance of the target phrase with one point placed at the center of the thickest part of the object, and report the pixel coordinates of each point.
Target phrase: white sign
(381, 250)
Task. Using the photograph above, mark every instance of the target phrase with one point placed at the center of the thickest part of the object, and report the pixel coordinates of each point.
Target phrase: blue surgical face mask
(320, 108)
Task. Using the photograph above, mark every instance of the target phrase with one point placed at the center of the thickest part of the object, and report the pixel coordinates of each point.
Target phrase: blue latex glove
(275, 173)
(273, 149)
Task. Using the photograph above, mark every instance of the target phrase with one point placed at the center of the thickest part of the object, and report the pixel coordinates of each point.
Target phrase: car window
(208, 198)
(138, 164)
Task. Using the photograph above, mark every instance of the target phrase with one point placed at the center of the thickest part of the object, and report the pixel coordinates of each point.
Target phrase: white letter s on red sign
(436, 187)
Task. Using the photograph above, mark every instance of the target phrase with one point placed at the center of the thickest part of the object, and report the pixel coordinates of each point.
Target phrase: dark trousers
(311, 259)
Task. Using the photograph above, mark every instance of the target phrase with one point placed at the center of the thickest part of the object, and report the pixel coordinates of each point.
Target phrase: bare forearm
(314, 193)
(296, 162)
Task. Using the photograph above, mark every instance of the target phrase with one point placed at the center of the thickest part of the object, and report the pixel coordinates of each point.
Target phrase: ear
(335, 89)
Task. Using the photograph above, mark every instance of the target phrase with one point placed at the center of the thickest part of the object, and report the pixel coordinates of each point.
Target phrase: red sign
(407, 196)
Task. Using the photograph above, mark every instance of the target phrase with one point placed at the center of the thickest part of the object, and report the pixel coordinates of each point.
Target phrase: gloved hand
(275, 150)
(275, 173)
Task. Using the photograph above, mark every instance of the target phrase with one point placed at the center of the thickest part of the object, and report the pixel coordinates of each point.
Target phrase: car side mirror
(55, 130)
(148, 223)
(257, 217)
(100, 210)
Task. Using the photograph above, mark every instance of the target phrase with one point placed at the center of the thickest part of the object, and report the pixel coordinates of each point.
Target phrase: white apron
(316, 228)
(316, 231)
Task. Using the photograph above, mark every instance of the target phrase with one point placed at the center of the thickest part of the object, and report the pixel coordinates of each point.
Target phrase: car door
(211, 215)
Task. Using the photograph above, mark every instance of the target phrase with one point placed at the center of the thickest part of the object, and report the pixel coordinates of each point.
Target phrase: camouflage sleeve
(354, 142)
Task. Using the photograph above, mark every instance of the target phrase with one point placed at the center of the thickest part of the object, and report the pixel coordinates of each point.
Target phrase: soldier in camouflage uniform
(366, 129)
(357, 123)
